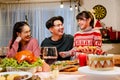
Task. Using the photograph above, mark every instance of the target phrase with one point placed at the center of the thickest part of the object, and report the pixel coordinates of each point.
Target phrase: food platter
(86, 70)
(21, 73)
(69, 68)
(100, 75)
(65, 66)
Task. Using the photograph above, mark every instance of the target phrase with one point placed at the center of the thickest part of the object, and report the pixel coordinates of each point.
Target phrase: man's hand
(64, 54)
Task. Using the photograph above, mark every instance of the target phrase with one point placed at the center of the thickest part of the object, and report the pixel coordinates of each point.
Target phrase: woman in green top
(62, 41)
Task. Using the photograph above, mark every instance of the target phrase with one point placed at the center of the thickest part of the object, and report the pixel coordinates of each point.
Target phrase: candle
(82, 59)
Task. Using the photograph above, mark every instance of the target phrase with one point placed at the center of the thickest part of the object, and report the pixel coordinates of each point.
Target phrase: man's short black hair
(50, 22)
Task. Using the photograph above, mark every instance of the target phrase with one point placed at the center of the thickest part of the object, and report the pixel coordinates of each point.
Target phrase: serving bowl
(27, 69)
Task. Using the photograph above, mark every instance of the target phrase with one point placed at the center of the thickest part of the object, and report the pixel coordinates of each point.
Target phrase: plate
(69, 68)
(19, 73)
(61, 76)
(61, 65)
(25, 69)
(86, 70)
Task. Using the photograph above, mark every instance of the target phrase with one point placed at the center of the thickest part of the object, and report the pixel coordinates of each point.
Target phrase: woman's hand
(18, 39)
(45, 67)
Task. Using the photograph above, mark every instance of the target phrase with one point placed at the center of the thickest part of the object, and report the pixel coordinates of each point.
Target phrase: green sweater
(64, 44)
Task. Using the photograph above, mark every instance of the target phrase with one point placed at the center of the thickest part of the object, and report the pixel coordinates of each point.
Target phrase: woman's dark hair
(87, 15)
(50, 22)
(17, 28)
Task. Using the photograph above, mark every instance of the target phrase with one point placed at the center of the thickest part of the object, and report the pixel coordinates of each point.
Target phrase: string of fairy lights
(71, 7)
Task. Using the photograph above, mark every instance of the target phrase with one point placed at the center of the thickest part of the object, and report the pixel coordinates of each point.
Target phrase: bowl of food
(15, 75)
(10, 64)
(26, 69)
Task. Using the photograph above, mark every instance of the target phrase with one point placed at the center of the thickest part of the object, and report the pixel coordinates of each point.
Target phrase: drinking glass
(50, 54)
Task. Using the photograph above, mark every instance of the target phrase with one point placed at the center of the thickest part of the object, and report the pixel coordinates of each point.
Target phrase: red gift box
(119, 35)
(115, 35)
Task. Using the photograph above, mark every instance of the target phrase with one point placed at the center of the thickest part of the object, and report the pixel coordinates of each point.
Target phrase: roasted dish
(65, 66)
(25, 55)
(70, 69)
(19, 77)
(13, 77)
(22, 61)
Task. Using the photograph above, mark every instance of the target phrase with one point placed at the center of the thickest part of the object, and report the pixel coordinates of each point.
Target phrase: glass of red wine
(50, 54)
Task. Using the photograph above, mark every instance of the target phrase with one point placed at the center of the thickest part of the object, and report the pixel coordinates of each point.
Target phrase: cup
(55, 73)
(50, 54)
(82, 59)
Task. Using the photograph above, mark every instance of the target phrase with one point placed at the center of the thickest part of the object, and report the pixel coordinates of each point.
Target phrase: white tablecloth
(100, 75)
(61, 76)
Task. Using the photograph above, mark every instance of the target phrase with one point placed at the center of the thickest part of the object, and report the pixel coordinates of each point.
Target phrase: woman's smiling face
(83, 23)
(26, 33)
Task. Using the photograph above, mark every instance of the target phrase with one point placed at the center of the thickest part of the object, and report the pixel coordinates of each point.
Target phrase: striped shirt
(91, 37)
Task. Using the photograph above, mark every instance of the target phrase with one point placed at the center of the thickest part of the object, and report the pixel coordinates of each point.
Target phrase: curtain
(37, 14)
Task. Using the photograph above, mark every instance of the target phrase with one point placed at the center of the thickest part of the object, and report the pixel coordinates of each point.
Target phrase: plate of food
(65, 66)
(86, 70)
(15, 75)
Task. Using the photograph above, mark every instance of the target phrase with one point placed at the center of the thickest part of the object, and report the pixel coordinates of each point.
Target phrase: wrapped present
(105, 33)
(115, 35)
(119, 35)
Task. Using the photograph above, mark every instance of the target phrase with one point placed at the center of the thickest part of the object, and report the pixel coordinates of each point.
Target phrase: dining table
(61, 76)
(83, 73)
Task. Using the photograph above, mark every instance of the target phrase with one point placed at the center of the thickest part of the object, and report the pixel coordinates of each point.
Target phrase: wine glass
(50, 54)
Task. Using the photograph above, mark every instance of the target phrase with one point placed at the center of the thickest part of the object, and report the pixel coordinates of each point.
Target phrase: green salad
(11, 62)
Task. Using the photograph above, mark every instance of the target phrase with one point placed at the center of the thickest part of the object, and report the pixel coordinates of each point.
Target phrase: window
(37, 15)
